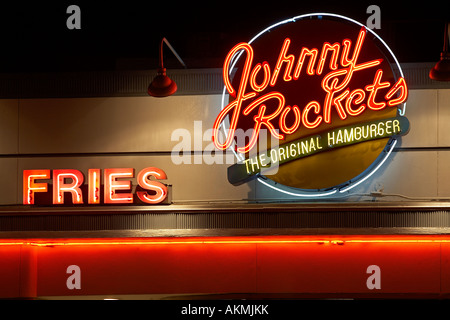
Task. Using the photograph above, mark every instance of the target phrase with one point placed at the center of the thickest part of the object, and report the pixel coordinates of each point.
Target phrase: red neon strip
(334, 240)
(334, 48)
(289, 59)
(144, 181)
(319, 118)
(235, 106)
(60, 186)
(265, 83)
(296, 124)
(312, 60)
(94, 186)
(112, 185)
(263, 119)
(373, 89)
(400, 85)
(30, 186)
(348, 104)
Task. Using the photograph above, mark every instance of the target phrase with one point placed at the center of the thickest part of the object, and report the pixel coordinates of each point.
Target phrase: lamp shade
(162, 85)
(441, 71)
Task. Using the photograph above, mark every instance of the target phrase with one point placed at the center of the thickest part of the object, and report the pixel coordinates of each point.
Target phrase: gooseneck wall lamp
(441, 71)
(162, 85)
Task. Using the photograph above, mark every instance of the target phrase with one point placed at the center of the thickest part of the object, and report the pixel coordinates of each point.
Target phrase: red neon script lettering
(339, 98)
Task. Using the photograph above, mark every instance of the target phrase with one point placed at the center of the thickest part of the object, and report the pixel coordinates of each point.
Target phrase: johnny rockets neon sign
(340, 91)
(116, 186)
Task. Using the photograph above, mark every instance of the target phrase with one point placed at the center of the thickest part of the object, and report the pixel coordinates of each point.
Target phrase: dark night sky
(126, 34)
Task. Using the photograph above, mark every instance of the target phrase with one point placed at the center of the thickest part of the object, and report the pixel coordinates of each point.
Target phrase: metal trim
(244, 219)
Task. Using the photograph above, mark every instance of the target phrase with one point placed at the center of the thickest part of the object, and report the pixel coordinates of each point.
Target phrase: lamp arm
(161, 63)
(446, 36)
(164, 40)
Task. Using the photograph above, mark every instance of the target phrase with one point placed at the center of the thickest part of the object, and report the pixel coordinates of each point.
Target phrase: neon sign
(116, 187)
(320, 85)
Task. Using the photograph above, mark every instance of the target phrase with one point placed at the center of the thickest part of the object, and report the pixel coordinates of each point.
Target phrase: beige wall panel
(422, 113)
(444, 174)
(8, 126)
(444, 117)
(118, 124)
(8, 187)
(412, 174)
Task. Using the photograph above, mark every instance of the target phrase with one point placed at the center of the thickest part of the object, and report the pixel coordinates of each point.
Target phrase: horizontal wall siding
(284, 220)
(135, 83)
(106, 84)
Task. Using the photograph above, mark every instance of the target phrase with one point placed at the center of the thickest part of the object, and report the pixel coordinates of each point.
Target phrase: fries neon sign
(117, 188)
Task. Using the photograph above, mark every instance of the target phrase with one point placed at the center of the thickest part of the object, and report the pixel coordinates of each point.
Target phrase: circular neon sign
(315, 106)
